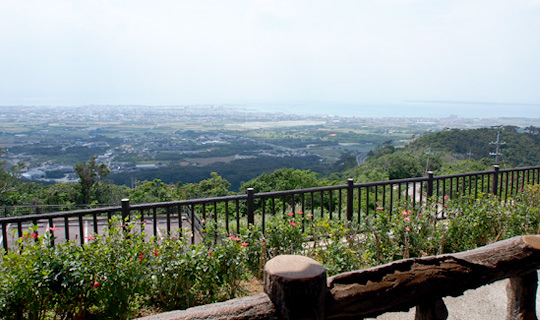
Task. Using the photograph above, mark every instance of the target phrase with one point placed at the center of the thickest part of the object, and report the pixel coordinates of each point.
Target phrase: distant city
(129, 139)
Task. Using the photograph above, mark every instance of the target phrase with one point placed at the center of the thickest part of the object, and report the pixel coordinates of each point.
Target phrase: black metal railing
(232, 213)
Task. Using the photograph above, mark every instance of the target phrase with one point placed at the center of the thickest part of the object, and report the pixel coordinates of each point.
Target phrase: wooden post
(521, 294)
(297, 287)
(431, 310)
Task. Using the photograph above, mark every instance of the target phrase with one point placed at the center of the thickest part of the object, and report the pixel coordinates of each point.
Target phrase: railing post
(250, 206)
(125, 210)
(429, 190)
(350, 198)
(495, 185)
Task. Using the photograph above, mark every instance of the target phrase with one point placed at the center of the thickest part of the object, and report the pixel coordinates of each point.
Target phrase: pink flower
(405, 213)
(245, 244)
(234, 237)
(34, 235)
(309, 215)
(380, 208)
(408, 229)
(90, 238)
(290, 214)
(144, 222)
(299, 212)
(292, 223)
(140, 256)
(407, 219)
(203, 220)
(210, 254)
(445, 197)
(52, 229)
(96, 284)
(521, 189)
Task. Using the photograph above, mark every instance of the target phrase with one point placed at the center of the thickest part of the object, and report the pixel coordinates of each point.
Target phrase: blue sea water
(426, 109)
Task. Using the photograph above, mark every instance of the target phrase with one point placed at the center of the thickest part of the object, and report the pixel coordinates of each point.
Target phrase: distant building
(34, 174)
(146, 166)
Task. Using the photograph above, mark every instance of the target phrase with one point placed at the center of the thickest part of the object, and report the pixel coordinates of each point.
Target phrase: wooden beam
(404, 284)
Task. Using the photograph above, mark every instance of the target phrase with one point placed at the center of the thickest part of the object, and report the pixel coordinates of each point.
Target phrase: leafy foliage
(115, 274)
(283, 179)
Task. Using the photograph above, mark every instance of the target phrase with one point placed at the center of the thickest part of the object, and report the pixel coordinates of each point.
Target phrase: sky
(354, 57)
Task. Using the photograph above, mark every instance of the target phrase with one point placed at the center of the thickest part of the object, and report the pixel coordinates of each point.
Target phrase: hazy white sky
(358, 52)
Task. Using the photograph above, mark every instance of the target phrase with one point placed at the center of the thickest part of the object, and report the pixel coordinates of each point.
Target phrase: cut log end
(297, 287)
(294, 267)
(532, 241)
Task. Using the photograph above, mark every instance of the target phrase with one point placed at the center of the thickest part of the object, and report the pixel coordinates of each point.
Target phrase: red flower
(299, 212)
(234, 237)
(155, 253)
(245, 244)
(292, 223)
(96, 284)
(34, 235)
(52, 229)
(90, 238)
(210, 254)
(140, 256)
(290, 214)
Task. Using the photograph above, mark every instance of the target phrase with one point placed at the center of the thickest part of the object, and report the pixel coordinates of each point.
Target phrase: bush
(118, 272)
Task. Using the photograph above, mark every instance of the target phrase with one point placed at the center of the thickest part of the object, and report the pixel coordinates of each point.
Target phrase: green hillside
(450, 151)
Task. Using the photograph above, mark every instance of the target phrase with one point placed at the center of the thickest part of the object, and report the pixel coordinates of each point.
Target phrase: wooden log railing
(296, 287)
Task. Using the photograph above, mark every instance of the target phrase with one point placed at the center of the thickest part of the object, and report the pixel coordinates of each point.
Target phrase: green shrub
(116, 273)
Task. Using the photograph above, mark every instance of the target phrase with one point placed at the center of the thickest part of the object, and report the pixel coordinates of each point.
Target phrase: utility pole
(498, 144)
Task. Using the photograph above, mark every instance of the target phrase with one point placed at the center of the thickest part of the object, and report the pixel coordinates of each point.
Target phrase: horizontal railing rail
(351, 201)
(43, 208)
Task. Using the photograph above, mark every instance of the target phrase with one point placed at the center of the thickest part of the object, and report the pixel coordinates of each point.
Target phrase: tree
(215, 186)
(283, 179)
(153, 191)
(9, 179)
(90, 175)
